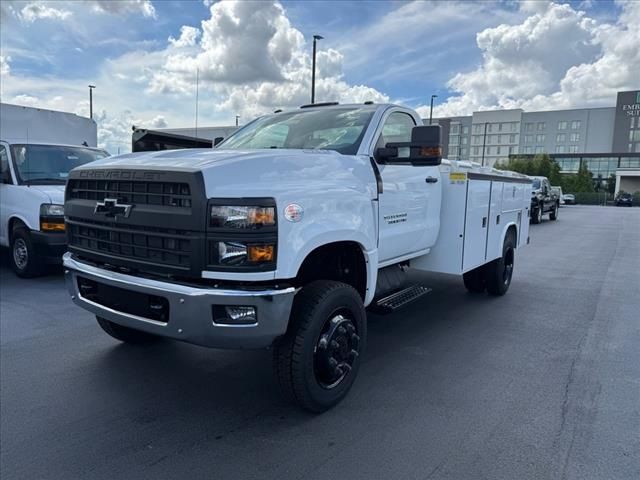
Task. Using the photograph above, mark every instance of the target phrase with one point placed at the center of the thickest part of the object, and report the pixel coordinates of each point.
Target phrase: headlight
(51, 217)
(242, 217)
(52, 210)
(243, 254)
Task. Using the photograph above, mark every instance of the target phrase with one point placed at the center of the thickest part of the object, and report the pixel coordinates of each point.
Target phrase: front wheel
(317, 360)
(554, 213)
(25, 261)
(499, 272)
(537, 215)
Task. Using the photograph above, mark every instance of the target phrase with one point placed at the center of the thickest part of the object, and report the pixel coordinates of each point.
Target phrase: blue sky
(253, 57)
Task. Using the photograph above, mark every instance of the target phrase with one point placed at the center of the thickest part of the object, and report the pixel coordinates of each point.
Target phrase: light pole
(431, 109)
(91, 87)
(237, 118)
(313, 69)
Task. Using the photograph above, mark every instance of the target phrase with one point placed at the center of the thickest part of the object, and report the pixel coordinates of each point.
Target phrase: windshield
(536, 183)
(50, 164)
(339, 129)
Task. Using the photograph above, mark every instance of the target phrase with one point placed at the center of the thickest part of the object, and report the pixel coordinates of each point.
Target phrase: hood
(254, 173)
(49, 193)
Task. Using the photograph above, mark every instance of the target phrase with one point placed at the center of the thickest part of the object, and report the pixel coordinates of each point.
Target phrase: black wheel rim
(20, 254)
(336, 351)
(508, 266)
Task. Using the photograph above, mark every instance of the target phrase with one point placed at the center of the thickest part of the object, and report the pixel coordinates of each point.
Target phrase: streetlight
(313, 69)
(431, 110)
(91, 87)
(237, 118)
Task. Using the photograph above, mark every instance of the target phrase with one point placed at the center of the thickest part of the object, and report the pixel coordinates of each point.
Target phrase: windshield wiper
(33, 181)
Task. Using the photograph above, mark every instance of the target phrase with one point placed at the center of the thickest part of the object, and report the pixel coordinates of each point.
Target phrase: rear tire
(499, 272)
(474, 280)
(314, 362)
(25, 261)
(126, 334)
(554, 213)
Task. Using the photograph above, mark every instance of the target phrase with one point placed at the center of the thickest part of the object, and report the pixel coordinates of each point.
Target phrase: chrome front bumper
(190, 308)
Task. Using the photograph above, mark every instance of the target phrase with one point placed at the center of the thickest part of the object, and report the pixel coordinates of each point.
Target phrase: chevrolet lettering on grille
(111, 208)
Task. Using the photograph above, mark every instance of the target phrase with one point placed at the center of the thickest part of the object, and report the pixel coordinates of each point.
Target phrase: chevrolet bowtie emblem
(111, 208)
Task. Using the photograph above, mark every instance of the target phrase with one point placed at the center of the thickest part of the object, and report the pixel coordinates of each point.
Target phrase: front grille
(173, 194)
(151, 245)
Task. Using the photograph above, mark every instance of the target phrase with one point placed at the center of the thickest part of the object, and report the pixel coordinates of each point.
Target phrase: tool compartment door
(476, 224)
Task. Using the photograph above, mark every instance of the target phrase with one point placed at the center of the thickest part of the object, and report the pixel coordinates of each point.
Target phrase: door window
(5, 172)
(397, 128)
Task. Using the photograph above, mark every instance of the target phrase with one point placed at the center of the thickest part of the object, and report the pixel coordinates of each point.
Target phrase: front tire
(554, 213)
(537, 216)
(126, 334)
(317, 360)
(24, 259)
(499, 272)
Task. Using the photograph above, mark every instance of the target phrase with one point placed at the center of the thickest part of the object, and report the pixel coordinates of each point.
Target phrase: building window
(464, 140)
(514, 127)
(512, 138)
(500, 126)
(573, 149)
(513, 150)
(575, 125)
(539, 149)
(568, 164)
(574, 137)
(454, 140)
(455, 129)
(498, 150)
(478, 128)
(453, 151)
(634, 135)
(562, 125)
(560, 149)
(561, 138)
(528, 127)
(476, 150)
(465, 130)
(528, 139)
(541, 126)
(540, 138)
(464, 152)
(527, 150)
(489, 127)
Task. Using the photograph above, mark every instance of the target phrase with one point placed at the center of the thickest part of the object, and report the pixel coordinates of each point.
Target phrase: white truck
(282, 235)
(37, 150)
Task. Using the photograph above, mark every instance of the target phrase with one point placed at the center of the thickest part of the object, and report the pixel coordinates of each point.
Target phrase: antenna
(197, 81)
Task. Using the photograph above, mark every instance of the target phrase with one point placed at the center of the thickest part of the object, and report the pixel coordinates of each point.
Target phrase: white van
(37, 150)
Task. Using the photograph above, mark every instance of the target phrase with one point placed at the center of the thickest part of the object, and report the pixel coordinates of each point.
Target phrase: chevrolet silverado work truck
(284, 233)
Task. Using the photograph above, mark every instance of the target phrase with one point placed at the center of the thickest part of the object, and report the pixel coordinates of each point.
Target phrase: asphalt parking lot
(543, 383)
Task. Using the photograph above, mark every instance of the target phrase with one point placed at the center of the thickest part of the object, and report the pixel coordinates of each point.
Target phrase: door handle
(431, 179)
(484, 222)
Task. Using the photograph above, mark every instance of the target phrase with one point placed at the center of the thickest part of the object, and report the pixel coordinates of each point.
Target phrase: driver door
(409, 205)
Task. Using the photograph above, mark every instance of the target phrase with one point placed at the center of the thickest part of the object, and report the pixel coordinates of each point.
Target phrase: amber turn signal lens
(261, 253)
(262, 216)
(52, 227)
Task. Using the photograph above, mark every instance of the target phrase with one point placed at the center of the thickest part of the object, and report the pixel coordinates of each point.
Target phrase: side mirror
(217, 140)
(424, 149)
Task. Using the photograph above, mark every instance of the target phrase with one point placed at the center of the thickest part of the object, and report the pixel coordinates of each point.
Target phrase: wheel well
(513, 231)
(341, 261)
(14, 223)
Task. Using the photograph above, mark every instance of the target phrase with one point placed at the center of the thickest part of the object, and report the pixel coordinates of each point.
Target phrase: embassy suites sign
(632, 109)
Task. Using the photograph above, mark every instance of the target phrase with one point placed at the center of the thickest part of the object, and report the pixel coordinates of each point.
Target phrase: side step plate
(397, 300)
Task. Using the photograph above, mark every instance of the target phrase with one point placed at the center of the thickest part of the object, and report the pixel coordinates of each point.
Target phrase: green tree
(611, 184)
(541, 165)
(583, 181)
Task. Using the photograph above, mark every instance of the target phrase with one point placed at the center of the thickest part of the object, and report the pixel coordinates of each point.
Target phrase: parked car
(337, 207)
(543, 200)
(558, 191)
(569, 199)
(624, 199)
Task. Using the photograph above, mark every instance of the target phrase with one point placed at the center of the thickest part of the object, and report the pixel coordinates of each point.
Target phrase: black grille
(173, 194)
(151, 245)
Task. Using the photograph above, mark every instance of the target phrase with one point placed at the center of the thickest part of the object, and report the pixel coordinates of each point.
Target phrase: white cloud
(41, 11)
(556, 58)
(252, 59)
(124, 7)
(5, 69)
(188, 37)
